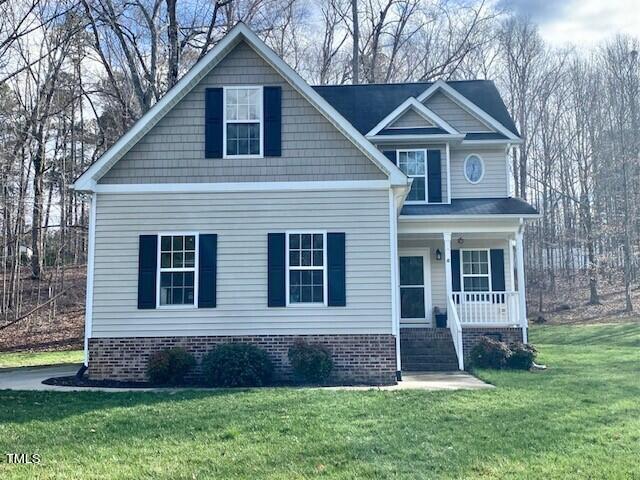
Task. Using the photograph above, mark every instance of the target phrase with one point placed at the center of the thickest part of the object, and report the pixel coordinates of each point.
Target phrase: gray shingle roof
(365, 105)
(473, 206)
(413, 131)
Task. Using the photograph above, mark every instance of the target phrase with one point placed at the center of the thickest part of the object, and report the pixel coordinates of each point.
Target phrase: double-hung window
(306, 260)
(413, 164)
(476, 274)
(177, 269)
(243, 121)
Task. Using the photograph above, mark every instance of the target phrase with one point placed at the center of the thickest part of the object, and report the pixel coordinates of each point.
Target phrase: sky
(582, 23)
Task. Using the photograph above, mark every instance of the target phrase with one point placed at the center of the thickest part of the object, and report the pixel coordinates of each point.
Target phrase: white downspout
(395, 316)
(91, 240)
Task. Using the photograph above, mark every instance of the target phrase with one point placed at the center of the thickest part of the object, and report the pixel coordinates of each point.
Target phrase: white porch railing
(456, 332)
(486, 308)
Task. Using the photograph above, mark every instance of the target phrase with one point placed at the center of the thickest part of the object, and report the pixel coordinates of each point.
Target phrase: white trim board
(87, 181)
(412, 104)
(242, 187)
(466, 104)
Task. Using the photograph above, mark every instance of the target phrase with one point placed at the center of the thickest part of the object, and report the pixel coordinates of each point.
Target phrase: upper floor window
(413, 164)
(177, 272)
(473, 168)
(243, 121)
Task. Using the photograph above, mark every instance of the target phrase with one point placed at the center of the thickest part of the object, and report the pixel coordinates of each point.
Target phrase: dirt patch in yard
(57, 326)
(568, 304)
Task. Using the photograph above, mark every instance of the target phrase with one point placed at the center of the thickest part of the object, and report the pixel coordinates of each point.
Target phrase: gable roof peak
(87, 181)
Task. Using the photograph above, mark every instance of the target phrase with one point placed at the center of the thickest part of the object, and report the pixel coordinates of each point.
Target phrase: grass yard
(579, 419)
(30, 359)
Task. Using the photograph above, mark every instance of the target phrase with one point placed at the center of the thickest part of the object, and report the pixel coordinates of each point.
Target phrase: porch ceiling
(494, 228)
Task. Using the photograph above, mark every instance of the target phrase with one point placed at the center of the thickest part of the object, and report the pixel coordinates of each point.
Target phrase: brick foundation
(470, 336)
(369, 359)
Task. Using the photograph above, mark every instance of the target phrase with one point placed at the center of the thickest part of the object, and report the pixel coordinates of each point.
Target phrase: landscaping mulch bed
(75, 381)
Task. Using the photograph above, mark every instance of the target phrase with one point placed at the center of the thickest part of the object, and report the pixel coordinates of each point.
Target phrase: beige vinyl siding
(411, 119)
(438, 284)
(455, 115)
(443, 160)
(494, 181)
(242, 222)
(312, 148)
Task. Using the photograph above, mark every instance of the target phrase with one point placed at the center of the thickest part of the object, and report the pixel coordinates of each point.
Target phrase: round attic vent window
(473, 168)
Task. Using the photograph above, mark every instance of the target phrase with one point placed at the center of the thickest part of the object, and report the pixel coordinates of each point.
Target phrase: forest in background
(74, 75)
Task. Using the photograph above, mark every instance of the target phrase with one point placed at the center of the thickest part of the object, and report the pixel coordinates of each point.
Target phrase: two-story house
(249, 206)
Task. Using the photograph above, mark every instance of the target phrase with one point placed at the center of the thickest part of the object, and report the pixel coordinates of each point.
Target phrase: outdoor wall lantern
(438, 255)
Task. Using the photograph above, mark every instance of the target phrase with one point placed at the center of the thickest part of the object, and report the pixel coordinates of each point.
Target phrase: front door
(415, 293)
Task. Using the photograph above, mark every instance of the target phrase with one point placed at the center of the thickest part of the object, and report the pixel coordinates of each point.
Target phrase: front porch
(467, 281)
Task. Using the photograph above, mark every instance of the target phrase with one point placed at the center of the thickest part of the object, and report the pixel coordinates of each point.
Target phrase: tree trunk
(172, 33)
(38, 194)
(355, 60)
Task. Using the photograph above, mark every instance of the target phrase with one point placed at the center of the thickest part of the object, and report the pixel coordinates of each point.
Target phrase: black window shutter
(336, 273)
(391, 155)
(272, 104)
(276, 295)
(497, 270)
(435, 176)
(455, 270)
(213, 123)
(147, 269)
(207, 270)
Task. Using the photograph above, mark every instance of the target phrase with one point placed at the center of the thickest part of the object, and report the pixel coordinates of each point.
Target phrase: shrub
(170, 366)
(522, 356)
(540, 319)
(237, 365)
(310, 363)
(489, 353)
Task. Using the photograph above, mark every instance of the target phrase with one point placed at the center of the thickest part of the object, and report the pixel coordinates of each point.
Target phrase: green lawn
(29, 359)
(579, 419)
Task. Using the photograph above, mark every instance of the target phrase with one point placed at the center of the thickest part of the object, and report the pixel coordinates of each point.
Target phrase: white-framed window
(177, 270)
(414, 164)
(306, 268)
(473, 168)
(475, 270)
(242, 132)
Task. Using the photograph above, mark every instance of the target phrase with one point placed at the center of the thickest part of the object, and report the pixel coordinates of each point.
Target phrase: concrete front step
(425, 347)
(429, 356)
(429, 367)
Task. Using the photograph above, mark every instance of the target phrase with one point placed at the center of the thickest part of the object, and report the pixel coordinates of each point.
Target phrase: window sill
(176, 307)
(242, 157)
(307, 305)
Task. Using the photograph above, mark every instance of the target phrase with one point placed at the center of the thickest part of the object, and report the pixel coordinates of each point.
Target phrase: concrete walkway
(430, 381)
(30, 378)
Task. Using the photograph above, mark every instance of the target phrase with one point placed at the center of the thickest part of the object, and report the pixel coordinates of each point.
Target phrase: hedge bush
(237, 365)
(522, 356)
(311, 363)
(170, 366)
(489, 353)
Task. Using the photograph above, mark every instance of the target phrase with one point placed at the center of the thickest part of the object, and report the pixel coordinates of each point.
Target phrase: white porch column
(521, 287)
(447, 268)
